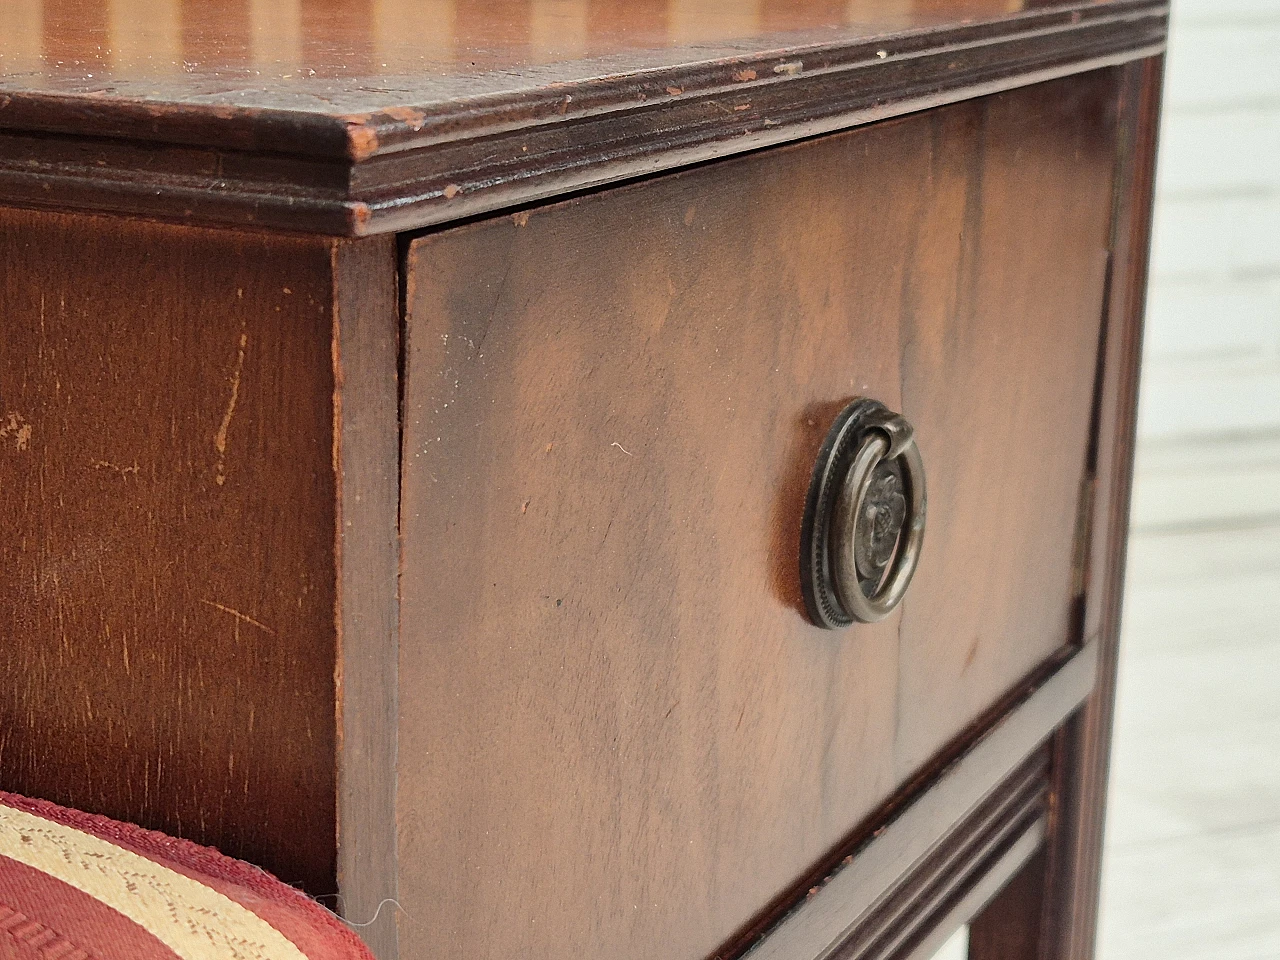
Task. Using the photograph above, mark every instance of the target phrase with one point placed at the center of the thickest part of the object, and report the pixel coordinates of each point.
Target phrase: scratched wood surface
(167, 508)
(618, 734)
(176, 50)
(367, 116)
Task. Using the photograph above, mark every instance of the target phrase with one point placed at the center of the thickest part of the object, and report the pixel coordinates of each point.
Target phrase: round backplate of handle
(864, 518)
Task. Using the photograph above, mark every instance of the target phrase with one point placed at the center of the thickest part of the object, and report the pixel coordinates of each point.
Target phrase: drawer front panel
(619, 733)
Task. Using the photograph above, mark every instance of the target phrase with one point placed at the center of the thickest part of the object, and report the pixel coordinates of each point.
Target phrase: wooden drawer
(619, 734)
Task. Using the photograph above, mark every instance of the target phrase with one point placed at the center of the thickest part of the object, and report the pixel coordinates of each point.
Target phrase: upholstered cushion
(75, 886)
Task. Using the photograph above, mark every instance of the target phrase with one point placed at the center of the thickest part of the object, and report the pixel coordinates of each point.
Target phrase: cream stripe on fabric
(194, 921)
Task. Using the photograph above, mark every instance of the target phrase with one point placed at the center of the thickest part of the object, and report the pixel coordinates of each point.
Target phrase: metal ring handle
(865, 519)
(854, 511)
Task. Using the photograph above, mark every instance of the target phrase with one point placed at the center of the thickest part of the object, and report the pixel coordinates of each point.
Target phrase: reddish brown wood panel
(1084, 747)
(884, 868)
(618, 734)
(1051, 909)
(444, 49)
(167, 636)
(366, 358)
(998, 375)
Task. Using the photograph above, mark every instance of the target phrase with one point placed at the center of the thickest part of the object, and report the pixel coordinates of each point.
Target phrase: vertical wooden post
(366, 446)
(1050, 910)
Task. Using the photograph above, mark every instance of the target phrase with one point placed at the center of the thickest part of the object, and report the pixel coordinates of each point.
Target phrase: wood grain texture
(366, 430)
(357, 119)
(937, 813)
(167, 637)
(1001, 365)
(614, 719)
(1050, 910)
(1084, 746)
(450, 49)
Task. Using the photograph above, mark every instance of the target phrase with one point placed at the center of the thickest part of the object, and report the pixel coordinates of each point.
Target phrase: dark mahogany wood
(366, 463)
(1050, 911)
(911, 916)
(394, 115)
(618, 732)
(907, 912)
(453, 576)
(1011, 926)
(168, 643)
(1085, 745)
(910, 845)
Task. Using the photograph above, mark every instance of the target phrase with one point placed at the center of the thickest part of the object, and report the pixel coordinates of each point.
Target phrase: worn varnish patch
(15, 428)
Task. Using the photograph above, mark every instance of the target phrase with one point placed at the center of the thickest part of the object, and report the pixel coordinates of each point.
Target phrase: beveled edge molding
(993, 785)
(1011, 819)
(410, 167)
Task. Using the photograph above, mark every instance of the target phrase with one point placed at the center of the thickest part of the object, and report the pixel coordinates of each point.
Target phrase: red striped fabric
(75, 886)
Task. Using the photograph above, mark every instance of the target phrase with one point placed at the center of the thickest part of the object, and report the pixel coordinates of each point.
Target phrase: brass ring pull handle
(864, 519)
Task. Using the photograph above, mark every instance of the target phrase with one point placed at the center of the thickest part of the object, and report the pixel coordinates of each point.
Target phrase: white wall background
(1212, 361)
(1192, 863)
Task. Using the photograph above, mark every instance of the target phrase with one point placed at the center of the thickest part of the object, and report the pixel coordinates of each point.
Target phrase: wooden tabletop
(364, 116)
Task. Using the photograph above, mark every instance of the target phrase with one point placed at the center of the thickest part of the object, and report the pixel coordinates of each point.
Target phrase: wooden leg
(1009, 927)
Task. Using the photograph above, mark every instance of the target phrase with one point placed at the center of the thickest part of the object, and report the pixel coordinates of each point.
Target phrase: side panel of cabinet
(167, 508)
